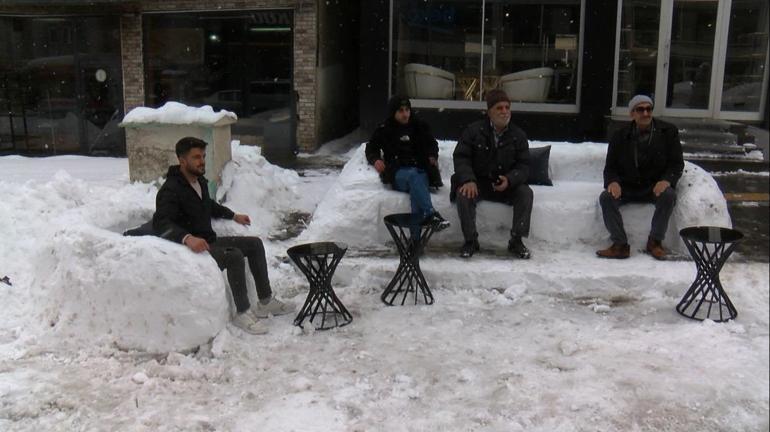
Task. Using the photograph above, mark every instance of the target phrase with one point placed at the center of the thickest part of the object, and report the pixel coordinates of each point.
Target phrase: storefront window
(638, 56)
(240, 62)
(458, 50)
(60, 85)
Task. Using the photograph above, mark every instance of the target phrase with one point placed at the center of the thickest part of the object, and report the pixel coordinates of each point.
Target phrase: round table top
(405, 220)
(318, 248)
(711, 234)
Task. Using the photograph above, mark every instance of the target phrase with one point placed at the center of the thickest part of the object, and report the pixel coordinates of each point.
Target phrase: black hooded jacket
(664, 159)
(392, 142)
(179, 211)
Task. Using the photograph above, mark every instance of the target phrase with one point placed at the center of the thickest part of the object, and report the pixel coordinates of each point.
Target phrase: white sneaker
(246, 322)
(274, 308)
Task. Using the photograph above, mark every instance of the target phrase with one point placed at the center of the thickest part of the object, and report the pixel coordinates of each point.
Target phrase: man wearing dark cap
(405, 154)
(491, 162)
(644, 163)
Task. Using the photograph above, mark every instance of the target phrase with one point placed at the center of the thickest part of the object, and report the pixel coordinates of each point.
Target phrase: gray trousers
(229, 253)
(520, 197)
(664, 206)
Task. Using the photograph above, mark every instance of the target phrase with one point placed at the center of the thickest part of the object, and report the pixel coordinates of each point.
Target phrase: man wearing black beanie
(405, 154)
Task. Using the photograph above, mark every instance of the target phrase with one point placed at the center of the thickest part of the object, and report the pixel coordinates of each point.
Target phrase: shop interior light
(269, 29)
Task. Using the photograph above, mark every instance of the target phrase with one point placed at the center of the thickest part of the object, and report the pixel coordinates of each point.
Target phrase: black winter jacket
(385, 142)
(179, 211)
(477, 159)
(665, 158)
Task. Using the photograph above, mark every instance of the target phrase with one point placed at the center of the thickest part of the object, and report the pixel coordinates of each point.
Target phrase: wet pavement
(747, 201)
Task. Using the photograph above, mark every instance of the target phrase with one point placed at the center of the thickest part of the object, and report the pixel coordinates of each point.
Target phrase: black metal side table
(408, 278)
(709, 247)
(317, 261)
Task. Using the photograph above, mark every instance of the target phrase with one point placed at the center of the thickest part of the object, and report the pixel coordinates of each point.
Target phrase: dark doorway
(235, 61)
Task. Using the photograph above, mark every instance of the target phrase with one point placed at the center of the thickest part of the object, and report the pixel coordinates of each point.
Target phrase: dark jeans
(229, 252)
(520, 197)
(664, 206)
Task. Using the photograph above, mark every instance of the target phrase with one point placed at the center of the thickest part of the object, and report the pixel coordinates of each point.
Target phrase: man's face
(642, 115)
(500, 114)
(402, 115)
(194, 162)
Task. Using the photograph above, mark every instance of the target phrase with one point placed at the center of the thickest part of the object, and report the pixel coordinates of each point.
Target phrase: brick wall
(133, 66)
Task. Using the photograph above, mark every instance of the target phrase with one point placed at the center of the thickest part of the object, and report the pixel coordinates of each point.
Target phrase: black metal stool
(709, 247)
(318, 262)
(408, 278)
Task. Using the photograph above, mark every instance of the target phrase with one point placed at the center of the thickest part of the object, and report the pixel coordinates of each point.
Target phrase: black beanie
(395, 103)
(496, 96)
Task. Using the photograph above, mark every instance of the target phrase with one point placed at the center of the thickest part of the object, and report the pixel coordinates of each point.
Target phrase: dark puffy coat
(384, 145)
(179, 211)
(477, 159)
(665, 158)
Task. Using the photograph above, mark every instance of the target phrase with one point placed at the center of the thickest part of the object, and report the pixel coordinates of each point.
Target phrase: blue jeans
(415, 181)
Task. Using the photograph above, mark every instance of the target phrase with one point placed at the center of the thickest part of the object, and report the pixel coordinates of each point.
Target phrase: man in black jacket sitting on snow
(183, 212)
(644, 163)
(405, 154)
(492, 163)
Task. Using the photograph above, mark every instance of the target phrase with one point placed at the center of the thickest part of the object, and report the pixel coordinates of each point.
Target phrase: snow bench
(566, 213)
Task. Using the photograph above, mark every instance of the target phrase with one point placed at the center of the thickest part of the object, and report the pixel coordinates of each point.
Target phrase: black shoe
(517, 248)
(469, 248)
(438, 222)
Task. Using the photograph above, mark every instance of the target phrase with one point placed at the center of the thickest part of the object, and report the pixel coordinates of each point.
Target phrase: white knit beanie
(636, 100)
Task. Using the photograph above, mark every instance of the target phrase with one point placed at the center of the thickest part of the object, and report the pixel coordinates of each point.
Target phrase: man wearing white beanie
(644, 163)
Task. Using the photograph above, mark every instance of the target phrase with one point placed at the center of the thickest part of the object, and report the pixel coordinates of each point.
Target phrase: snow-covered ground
(96, 330)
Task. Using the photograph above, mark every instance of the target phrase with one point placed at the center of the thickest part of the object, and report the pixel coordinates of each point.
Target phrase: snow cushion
(569, 212)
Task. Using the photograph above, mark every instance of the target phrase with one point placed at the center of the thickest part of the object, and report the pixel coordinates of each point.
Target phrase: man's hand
(379, 166)
(242, 219)
(660, 187)
(614, 189)
(501, 184)
(469, 190)
(196, 244)
(433, 161)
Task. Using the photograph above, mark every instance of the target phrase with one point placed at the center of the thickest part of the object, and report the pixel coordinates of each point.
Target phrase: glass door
(698, 58)
(745, 53)
(686, 66)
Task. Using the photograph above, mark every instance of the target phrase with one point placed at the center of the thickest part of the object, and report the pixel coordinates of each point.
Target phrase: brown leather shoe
(655, 249)
(616, 251)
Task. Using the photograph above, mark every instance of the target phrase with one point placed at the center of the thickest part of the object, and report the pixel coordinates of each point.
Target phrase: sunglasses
(643, 109)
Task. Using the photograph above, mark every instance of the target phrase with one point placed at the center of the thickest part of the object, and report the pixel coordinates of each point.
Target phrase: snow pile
(139, 293)
(566, 213)
(264, 191)
(92, 286)
(177, 113)
(561, 342)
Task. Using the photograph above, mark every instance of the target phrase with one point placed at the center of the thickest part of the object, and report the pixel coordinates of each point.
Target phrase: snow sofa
(566, 213)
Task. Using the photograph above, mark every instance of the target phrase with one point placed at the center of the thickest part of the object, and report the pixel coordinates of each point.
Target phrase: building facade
(569, 66)
(70, 70)
(302, 72)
